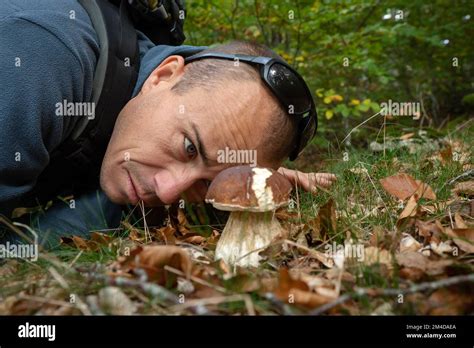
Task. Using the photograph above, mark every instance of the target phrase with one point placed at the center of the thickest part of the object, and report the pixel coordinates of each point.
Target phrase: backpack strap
(162, 21)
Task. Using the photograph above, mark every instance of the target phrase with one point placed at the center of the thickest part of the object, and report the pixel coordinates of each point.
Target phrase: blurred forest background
(358, 54)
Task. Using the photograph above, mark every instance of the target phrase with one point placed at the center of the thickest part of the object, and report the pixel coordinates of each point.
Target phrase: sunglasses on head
(289, 88)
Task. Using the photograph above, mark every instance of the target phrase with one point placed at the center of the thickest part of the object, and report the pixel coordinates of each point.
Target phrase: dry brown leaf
(154, 258)
(417, 260)
(101, 238)
(464, 188)
(324, 223)
(79, 243)
(462, 237)
(167, 234)
(459, 221)
(446, 154)
(19, 212)
(448, 301)
(410, 273)
(296, 291)
(408, 243)
(441, 248)
(307, 298)
(403, 186)
(412, 259)
(411, 208)
(135, 234)
(194, 238)
(429, 229)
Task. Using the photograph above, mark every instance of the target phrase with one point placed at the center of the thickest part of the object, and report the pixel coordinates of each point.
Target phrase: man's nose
(169, 186)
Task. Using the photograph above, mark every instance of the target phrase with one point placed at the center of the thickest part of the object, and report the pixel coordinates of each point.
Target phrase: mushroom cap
(246, 188)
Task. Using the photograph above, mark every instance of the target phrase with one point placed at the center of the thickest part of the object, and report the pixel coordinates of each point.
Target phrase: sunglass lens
(290, 87)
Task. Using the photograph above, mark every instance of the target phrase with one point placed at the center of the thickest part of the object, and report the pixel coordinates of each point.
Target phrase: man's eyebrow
(200, 146)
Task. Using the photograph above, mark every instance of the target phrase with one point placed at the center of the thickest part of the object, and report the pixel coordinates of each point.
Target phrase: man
(165, 141)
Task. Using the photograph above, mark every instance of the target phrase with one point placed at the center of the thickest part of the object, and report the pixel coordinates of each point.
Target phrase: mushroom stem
(246, 232)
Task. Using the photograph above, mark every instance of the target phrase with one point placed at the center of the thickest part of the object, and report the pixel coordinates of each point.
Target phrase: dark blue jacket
(48, 54)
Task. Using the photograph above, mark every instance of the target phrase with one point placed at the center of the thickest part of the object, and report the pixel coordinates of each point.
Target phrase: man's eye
(189, 148)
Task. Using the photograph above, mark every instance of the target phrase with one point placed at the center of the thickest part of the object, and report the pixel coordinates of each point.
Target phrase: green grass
(361, 206)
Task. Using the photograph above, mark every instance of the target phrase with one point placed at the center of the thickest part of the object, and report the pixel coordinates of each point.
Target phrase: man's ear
(168, 71)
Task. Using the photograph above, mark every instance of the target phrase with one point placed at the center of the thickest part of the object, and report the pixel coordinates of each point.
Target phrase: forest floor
(394, 235)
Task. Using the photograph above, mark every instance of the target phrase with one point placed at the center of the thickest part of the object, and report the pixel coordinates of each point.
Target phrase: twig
(217, 300)
(46, 300)
(360, 124)
(282, 306)
(394, 291)
(80, 304)
(195, 279)
(466, 175)
(76, 258)
(151, 289)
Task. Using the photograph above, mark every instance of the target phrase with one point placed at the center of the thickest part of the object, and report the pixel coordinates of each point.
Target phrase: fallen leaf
(429, 229)
(417, 260)
(324, 223)
(79, 243)
(154, 258)
(167, 234)
(183, 225)
(403, 186)
(194, 238)
(408, 243)
(19, 212)
(134, 233)
(464, 188)
(296, 291)
(101, 238)
(411, 273)
(446, 301)
(446, 154)
(411, 208)
(441, 248)
(459, 221)
(462, 237)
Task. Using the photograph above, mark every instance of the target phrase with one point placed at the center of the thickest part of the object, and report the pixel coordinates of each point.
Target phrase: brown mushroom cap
(246, 188)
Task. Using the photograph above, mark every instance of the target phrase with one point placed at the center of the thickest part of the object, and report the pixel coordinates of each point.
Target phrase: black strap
(162, 22)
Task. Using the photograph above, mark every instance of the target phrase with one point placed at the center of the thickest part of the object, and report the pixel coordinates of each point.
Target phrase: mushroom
(251, 194)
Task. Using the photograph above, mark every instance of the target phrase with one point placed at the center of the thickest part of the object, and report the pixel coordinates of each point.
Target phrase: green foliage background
(356, 54)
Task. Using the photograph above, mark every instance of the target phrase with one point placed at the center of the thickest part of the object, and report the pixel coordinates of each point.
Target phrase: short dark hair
(209, 74)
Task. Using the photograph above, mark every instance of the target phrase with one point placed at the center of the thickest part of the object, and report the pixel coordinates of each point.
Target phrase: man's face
(165, 145)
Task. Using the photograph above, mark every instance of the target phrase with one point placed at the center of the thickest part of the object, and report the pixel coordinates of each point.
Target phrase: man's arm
(37, 71)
